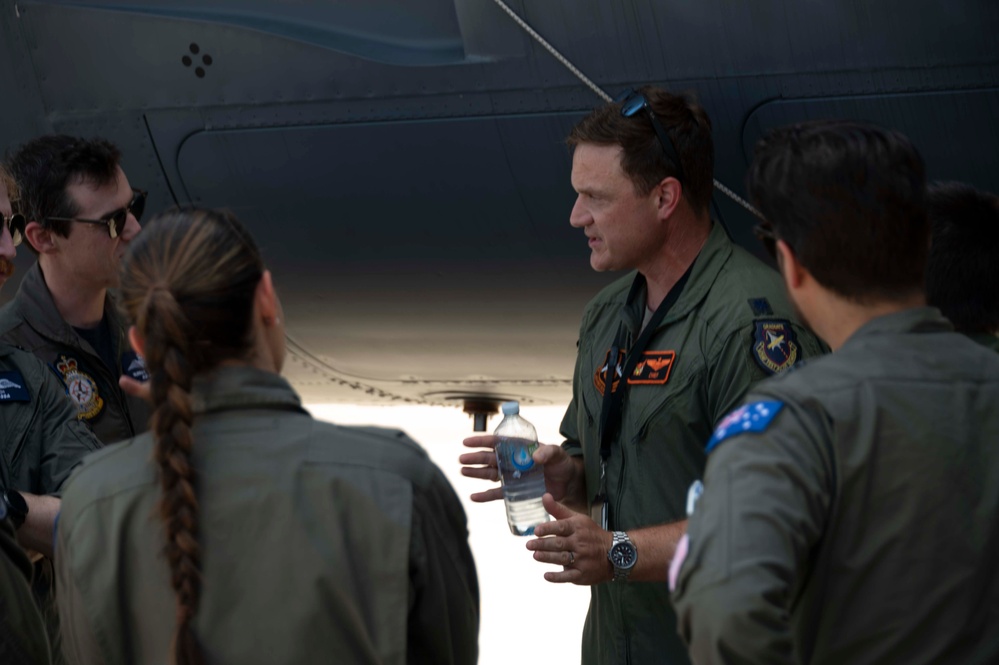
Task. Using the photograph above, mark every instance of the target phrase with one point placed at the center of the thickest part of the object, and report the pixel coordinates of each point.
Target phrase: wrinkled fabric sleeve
(569, 428)
(66, 439)
(763, 509)
(731, 373)
(444, 590)
(22, 632)
(79, 643)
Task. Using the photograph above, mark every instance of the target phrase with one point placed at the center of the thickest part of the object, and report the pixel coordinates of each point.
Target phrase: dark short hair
(849, 199)
(644, 160)
(44, 167)
(962, 273)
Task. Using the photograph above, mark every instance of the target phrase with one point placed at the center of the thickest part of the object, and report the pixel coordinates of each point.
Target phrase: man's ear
(136, 340)
(40, 237)
(794, 273)
(267, 303)
(669, 191)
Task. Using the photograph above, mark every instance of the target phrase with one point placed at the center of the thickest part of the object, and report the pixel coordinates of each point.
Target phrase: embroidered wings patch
(753, 417)
(12, 387)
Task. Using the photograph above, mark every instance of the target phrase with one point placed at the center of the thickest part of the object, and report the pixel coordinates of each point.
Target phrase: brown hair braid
(188, 285)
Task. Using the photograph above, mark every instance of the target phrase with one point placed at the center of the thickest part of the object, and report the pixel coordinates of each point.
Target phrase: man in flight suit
(849, 507)
(963, 269)
(81, 214)
(643, 170)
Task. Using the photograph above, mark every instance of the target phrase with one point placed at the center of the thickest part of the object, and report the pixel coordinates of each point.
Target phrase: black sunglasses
(116, 220)
(764, 232)
(632, 102)
(15, 224)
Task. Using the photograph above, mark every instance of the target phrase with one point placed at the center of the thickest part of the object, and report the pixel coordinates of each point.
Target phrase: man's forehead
(594, 164)
(91, 196)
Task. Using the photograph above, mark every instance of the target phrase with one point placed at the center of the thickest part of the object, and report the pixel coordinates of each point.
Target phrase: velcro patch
(600, 378)
(134, 365)
(13, 387)
(653, 369)
(81, 388)
(753, 417)
(775, 347)
(761, 307)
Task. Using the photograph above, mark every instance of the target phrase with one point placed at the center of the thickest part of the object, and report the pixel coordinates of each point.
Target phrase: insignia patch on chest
(600, 378)
(775, 347)
(753, 417)
(81, 388)
(653, 369)
(13, 387)
(133, 365)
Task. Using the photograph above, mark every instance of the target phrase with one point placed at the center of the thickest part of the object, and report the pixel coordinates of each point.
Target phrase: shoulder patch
(753, 417)
(761, 307)
(81, 387)
(775, 347)
(134, 366)
(13, 387)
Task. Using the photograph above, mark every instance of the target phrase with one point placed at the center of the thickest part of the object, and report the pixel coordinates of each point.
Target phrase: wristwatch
(13, 505)
(623, 554)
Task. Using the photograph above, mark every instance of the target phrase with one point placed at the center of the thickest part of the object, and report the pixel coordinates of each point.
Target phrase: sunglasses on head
(633, 102)
(15, 223)
(115, 221)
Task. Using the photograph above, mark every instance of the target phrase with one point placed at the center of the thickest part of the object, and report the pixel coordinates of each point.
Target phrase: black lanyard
(610, 412)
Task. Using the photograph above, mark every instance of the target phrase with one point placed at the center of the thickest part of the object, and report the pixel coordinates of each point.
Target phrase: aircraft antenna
(603, 95)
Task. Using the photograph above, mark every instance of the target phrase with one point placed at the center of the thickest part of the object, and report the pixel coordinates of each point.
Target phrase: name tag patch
(81, 388)
(13, 387)
(653, 369)
(134, 366)
(753, 417)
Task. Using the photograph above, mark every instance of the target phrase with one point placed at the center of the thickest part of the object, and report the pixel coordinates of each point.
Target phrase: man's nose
(132, 227)
(579, 217)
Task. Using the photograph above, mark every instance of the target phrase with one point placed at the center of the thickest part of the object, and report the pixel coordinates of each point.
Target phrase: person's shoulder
(12, 324)
(749, 288)
(375, 448)
(115, 468)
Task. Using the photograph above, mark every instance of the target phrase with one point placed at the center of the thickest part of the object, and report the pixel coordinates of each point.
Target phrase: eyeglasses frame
(15, 223)
(137, 195)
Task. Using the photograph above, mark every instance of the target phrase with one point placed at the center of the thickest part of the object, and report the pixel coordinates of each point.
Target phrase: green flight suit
(706, 352)
(849, 510)
(22, 632)
(319, 543)
(42, 437)
(31, 322)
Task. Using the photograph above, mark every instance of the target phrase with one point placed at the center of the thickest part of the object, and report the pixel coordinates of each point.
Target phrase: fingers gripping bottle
(523, 480)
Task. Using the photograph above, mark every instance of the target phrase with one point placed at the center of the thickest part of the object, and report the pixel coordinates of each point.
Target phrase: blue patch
(775, 347)
(133, 365)
(754, 417)
(761, 307)
(3, 510)
(13, 388)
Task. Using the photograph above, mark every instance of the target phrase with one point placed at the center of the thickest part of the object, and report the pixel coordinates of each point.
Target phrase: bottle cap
(510, 408)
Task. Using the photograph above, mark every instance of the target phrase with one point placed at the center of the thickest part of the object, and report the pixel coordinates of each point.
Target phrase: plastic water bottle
(523, 480)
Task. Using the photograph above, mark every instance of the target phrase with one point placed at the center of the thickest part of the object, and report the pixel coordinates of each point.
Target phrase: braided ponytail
(188, 285)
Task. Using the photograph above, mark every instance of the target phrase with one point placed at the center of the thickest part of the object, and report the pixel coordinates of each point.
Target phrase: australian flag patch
(12, 388)
(753, 417)
(775, 347)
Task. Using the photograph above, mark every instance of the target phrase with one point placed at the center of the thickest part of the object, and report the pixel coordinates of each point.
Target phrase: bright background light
(524, 618)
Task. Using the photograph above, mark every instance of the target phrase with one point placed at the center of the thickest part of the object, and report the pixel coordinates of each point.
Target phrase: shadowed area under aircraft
(401, 162)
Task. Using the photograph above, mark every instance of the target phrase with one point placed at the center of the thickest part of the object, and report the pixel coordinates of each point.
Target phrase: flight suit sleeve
(79, 644)
(765, 501)
(22, 632)
(731, 373)
(443, 619)
(66, 439)
(569, 428)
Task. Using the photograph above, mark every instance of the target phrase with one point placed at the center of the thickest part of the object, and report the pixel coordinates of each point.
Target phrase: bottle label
(523, 457)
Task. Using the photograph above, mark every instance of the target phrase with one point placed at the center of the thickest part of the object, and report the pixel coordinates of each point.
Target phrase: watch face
(623, 555)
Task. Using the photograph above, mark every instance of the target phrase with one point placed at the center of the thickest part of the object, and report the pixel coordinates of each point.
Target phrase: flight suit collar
(242, 387)
(707, 266)
(914, 320)
(39, 311)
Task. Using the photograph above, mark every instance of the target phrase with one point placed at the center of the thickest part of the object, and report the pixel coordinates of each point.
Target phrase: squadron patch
(753, 417)
(653, 369)
(12, 387)
(600, 378)
(775, 348)
(134, 366)
(81, 387)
